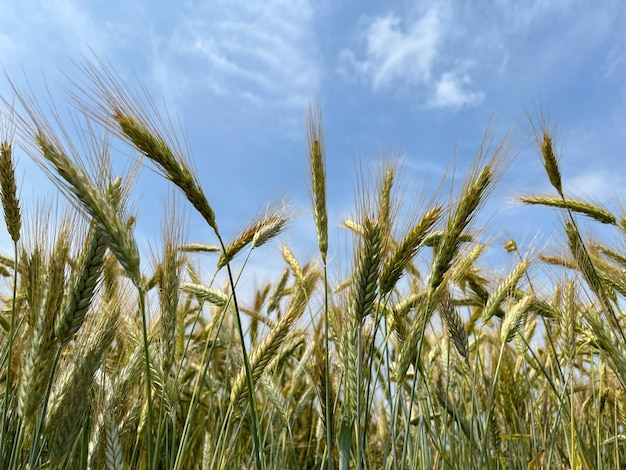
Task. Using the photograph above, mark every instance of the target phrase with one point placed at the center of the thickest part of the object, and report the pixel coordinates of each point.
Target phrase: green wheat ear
(8, 192)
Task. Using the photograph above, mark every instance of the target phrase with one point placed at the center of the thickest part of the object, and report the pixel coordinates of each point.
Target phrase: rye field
(419, 356)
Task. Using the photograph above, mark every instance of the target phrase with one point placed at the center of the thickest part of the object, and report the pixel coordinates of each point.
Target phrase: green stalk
(146, 352)
(251, 396)
(255, 420)
(490, 405)
(329, 412)
(5, 413)
(359, 405)
(36, 451)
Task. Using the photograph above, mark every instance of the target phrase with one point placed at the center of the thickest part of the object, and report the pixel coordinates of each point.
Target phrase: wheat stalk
(265, 351)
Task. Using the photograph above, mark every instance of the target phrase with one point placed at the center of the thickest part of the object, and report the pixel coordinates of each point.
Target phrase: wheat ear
(76, 380)
(396, 264)
(367, 271)
(168, 298)
(550, 162)
(594, 211)
(84, 283)
(213, 296)
(157, 150)
(505, 288)
(317, 168)
(542, 134)
(454, 326)
(8, 192)
(113, 229)
(257, 233)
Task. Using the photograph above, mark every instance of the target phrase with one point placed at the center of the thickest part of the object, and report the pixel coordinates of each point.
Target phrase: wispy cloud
(406, 53)
(447, 56)
(35, 30)
(263, 52)
(597, 184)
(396, 51)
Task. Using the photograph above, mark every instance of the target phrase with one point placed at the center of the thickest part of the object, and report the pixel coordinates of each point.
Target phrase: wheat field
(418, 357)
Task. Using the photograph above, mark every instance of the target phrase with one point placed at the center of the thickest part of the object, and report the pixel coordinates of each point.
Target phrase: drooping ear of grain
(116, 233)
(174, 169)
(594, 211)
(86, 278)
(586, 267)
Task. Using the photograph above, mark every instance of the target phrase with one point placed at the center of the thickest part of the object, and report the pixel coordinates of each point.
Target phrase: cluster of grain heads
(473, 193)
(419, 356)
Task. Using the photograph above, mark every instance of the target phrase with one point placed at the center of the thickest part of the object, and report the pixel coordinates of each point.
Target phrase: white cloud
(396, 54)
(407, 54)
(451, 91)
(447, 55)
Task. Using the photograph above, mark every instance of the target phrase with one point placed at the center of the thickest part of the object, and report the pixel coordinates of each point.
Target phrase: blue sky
(419, 80)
